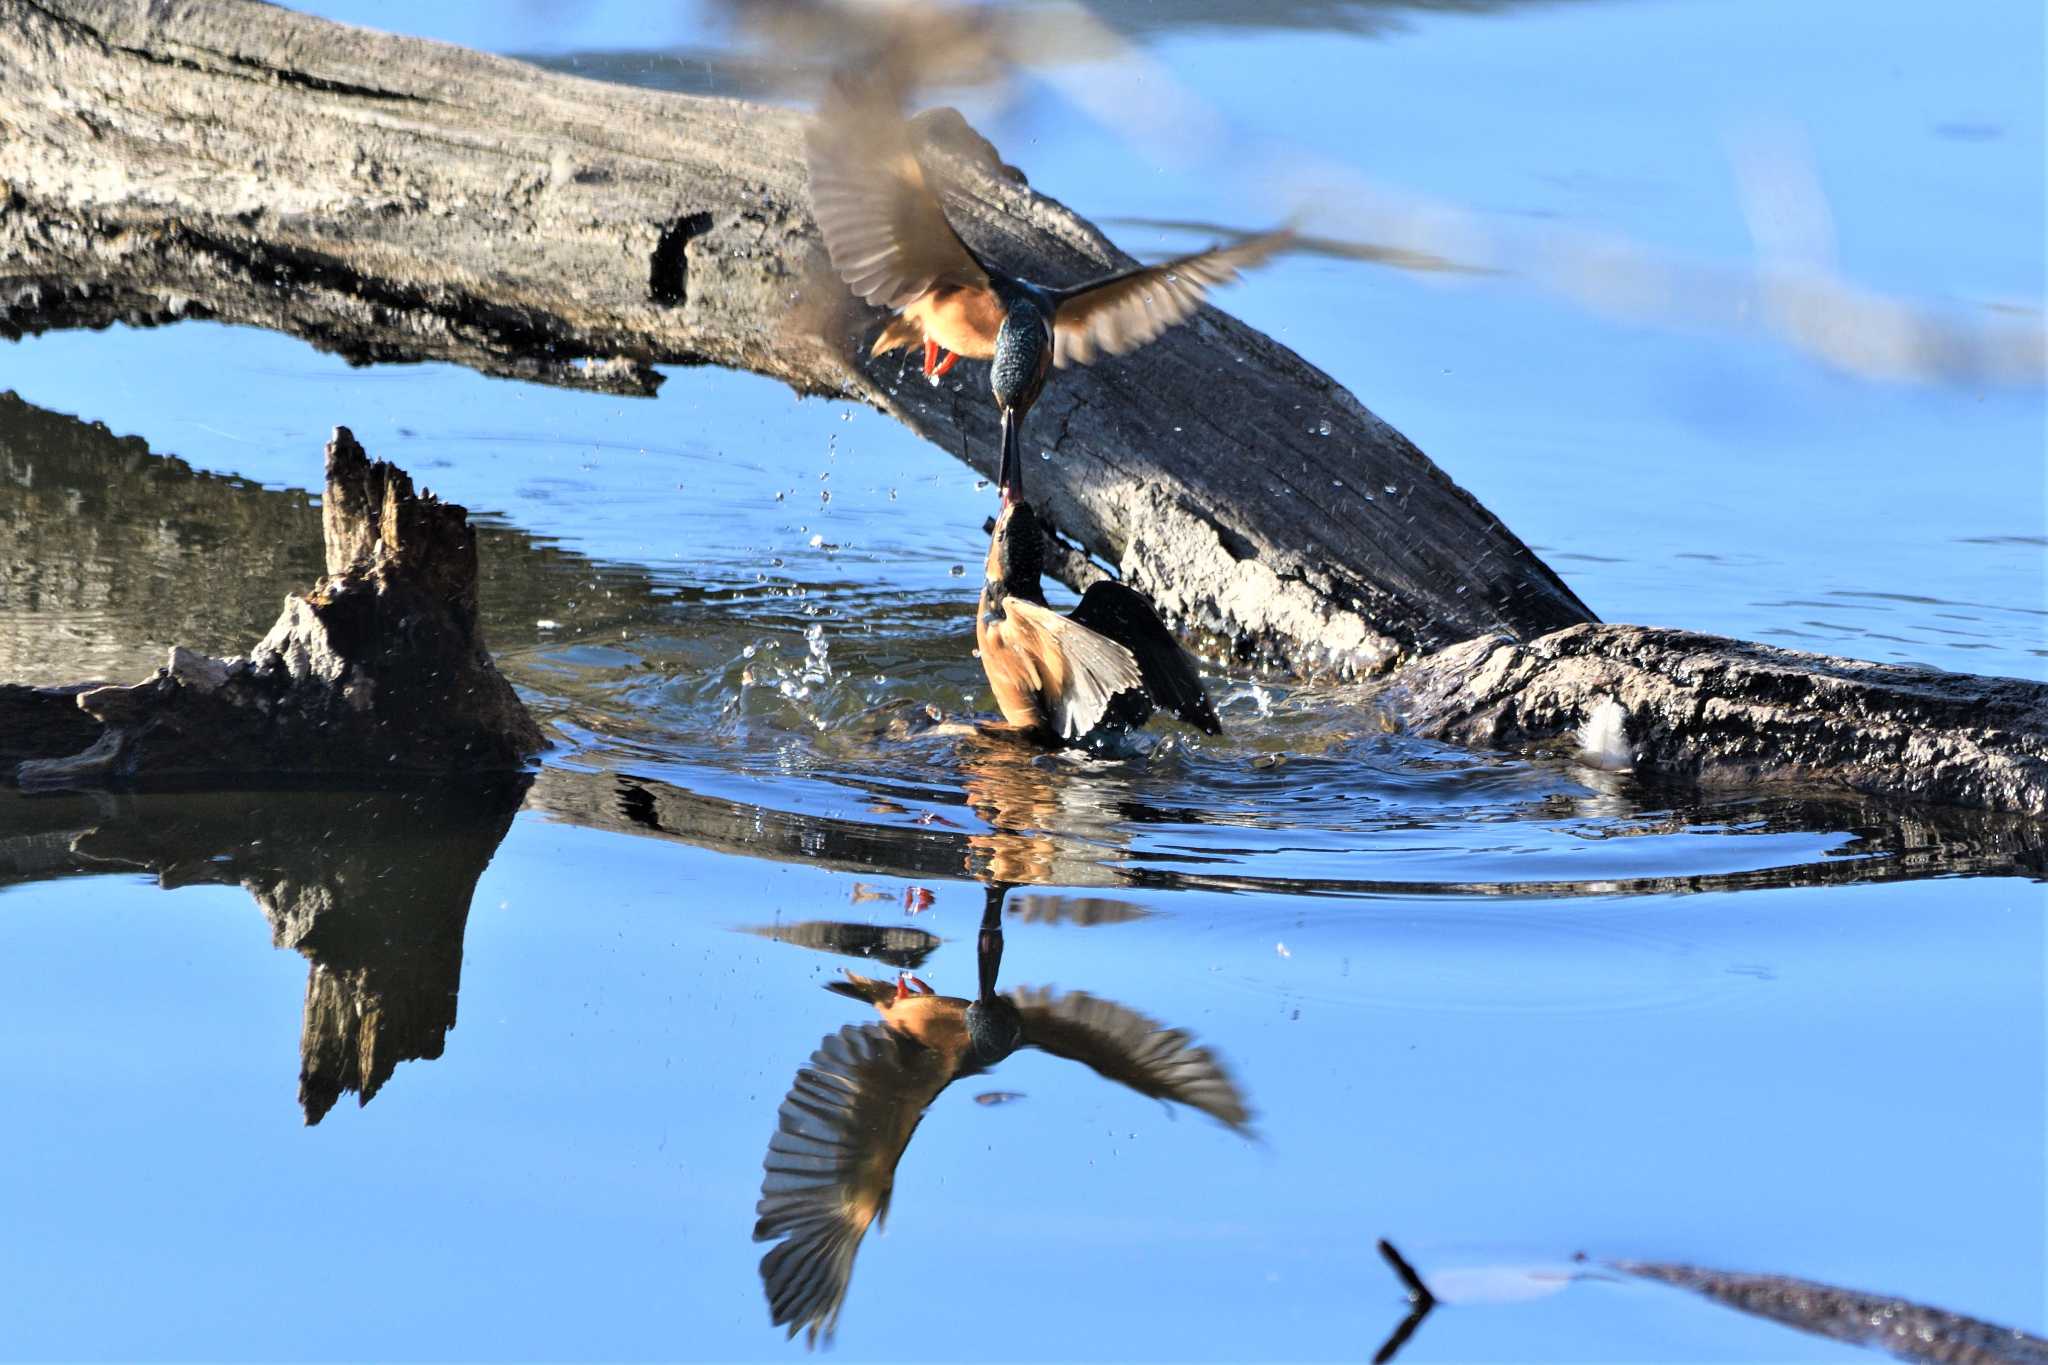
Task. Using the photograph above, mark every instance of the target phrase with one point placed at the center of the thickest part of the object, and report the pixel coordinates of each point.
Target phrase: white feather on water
(1603, 739)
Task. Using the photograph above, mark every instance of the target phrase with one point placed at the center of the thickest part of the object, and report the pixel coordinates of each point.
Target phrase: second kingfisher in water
(1100, 668)
(889, 239)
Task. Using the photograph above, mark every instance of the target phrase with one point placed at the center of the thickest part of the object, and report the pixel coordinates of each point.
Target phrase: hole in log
(668, 274)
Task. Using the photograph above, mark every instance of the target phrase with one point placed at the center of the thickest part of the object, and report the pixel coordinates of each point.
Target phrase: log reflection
(373, 889)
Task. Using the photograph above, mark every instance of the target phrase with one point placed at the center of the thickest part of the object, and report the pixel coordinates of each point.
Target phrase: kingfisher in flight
(890, 241)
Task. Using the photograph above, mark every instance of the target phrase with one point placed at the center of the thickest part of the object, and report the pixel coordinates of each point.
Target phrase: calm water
(1498, 1011)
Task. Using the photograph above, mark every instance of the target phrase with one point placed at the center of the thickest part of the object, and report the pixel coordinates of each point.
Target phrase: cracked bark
(393, 199)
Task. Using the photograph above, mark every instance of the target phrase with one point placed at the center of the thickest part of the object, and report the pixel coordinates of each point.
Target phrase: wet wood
(378, 673)
(1721, 713)
(393, 199)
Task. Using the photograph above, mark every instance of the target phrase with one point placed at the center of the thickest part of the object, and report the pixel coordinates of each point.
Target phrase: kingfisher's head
(1016, 552)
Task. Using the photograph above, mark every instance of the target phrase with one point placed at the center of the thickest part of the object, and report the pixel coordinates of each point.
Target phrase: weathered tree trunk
(378, 673)
(394, 199)
(1726, 713)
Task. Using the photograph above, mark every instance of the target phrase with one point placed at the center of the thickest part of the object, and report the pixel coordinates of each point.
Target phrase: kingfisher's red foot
(917, 985)
(902, 987)
(931, 356)
(952, 359)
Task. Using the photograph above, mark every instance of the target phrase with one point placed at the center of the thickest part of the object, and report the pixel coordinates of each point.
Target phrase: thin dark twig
(1399, 1337)
(1418, 1292)
(1419, 1297)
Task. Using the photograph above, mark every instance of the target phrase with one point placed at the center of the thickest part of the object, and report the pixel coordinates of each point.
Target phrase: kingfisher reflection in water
(850, 1115)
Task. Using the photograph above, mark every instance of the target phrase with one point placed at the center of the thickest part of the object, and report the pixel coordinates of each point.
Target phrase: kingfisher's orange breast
(962, 320)
(1012, 674)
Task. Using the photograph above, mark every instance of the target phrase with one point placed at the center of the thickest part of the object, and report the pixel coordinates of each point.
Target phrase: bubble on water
(1045, 454)
(958, 571)
(1323, 427)
(1391, 490)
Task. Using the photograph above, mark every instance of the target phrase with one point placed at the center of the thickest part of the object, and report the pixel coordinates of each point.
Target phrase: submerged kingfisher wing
(1122, 312)
(1122, 614)
(1126, 1047)
(1080, 671)
(883, 227)
(831, 1166)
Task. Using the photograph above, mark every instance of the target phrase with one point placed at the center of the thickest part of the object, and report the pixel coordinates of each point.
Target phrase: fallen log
(394, 199)
(1721, 713)
(378, 673)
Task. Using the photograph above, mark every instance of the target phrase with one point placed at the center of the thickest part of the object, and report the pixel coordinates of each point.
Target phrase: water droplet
(1323, 427)
(980, 484)
(1391, 490)
(824, 495)
(958, 571)
(747, 653)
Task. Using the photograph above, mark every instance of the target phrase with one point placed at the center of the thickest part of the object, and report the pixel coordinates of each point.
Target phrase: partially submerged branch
(1722, 713)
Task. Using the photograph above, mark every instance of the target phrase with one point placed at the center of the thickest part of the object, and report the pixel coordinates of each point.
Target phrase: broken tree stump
(379, 673)
(1721, 713)
(389, 198)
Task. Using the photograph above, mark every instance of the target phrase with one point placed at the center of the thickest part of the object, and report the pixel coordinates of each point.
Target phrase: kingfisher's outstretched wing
(831, 1166)
(1121, 613)
(1131, 1050)
(1122, 312)
(884, 228)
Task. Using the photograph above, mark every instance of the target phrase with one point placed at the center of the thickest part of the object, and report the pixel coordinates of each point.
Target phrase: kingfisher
(831, 1166)
(890, 241)
(1072, 679)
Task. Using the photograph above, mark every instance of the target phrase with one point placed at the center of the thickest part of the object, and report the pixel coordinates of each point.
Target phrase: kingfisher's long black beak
(1010, 479)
